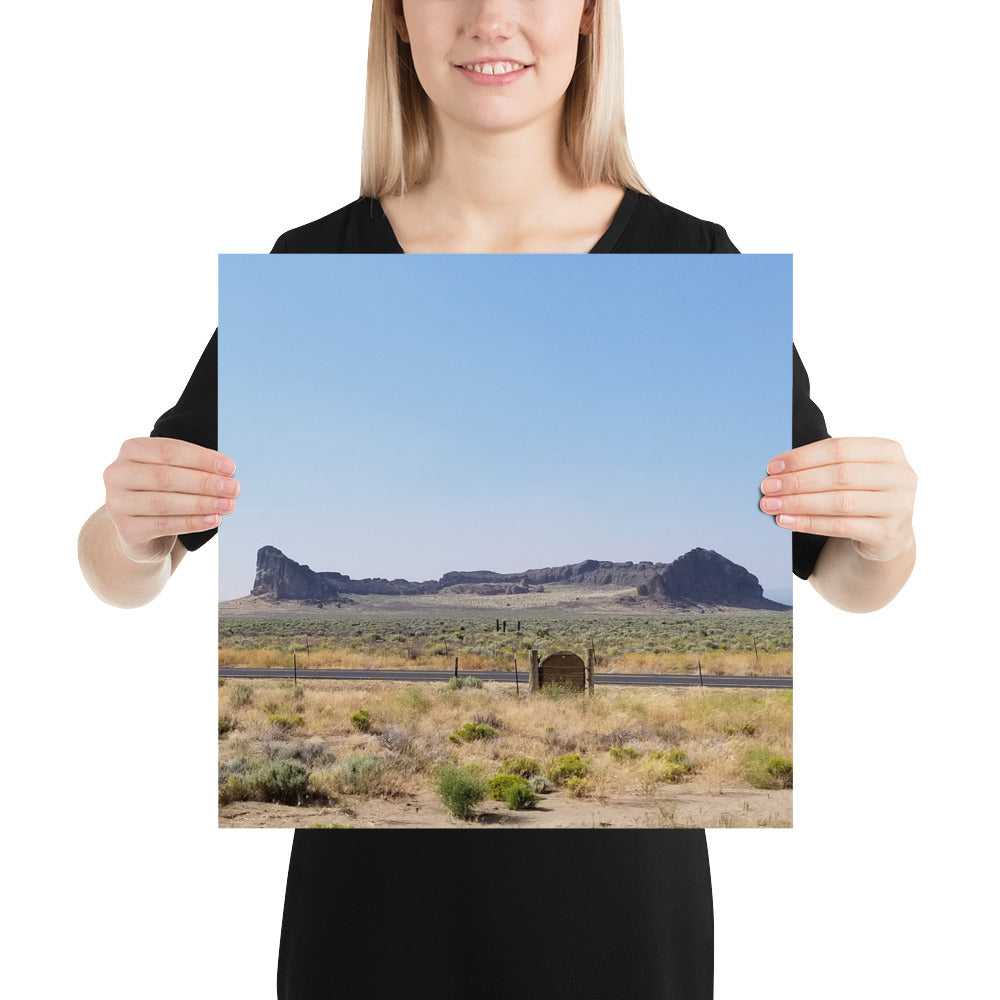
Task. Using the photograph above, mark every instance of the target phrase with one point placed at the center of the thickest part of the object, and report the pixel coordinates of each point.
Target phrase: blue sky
(406, 415)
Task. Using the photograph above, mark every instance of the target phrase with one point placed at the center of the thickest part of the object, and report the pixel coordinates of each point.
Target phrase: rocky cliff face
(697, 577)
(283, 579)
(702, 576)
(589, 573)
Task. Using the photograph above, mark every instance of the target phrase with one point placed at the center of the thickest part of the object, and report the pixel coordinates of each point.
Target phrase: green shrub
(513, 790)
(764, 768)
(282, 781)
(623, 753)
(473, 731)
(519, 764)
(746, 729)
(286, 722)
(413, 699)
(672, 766)
(569, 765)
(461, 789)
(236, 788)
(359, 775)
(520, 795)
(362, 720)
(226, 724)
(293, 690)
(577, 787)
(241, 695)
(456, 683)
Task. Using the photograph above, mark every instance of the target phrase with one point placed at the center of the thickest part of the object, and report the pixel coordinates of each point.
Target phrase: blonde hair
(396, 143)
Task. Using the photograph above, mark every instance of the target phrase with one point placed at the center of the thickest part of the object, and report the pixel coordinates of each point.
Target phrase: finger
(138, 531)
(866, 530)
(834, 451)
(142, 477)
(160, 504)
(843, 503)
(875, 476)
(880, 538)
(173, 452)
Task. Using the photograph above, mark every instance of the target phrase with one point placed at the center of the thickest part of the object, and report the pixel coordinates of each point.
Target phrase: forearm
(852, 583)
(111, 574)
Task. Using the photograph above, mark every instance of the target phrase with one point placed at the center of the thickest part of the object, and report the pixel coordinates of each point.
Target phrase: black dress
(589, 914)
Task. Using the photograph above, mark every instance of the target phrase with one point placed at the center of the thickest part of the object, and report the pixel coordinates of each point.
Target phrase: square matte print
(498, 559)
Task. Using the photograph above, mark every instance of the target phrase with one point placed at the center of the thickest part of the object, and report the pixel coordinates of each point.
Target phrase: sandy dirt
(692, 804)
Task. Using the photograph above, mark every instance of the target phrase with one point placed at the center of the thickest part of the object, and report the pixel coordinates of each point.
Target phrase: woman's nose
(491, 20)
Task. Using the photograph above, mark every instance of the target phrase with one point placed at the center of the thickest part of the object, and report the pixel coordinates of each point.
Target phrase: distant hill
(699, 577)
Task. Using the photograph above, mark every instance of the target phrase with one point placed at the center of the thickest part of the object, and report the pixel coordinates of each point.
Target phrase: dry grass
(729, 663)
(411, 724)
(343, 658)
(717, 663)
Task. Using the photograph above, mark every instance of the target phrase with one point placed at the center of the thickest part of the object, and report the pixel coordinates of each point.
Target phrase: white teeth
(495, 69)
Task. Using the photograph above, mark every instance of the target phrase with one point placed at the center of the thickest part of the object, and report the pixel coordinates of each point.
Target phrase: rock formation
(283, 579)
(702, 576)
(698, 577)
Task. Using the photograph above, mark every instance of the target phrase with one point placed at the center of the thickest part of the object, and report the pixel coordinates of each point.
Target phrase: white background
(144, 139)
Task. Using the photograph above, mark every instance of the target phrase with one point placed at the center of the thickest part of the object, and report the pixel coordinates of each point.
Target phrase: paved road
(648, 680)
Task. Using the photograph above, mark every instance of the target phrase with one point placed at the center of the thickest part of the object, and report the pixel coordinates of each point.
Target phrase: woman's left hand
(861, 489)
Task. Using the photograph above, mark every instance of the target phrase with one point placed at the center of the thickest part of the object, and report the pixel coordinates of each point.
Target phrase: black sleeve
(808, 425)
(195, 418)
(720, 241)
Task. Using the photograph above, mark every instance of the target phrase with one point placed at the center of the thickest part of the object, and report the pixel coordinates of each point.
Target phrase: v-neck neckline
(605, 244)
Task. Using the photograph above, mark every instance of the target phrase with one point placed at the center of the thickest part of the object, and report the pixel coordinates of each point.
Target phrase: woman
(497, 127)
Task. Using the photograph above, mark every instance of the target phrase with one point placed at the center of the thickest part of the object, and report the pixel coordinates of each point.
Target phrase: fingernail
(787, 520)
(223, 505)
(771, 504)
(770, 485)
(775, 466)
(210, 520)
(225, 466)
(229, 487)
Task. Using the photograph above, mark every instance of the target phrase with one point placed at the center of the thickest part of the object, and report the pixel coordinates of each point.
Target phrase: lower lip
(485, 80)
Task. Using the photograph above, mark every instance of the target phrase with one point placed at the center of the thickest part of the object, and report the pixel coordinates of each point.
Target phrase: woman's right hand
(159, 488)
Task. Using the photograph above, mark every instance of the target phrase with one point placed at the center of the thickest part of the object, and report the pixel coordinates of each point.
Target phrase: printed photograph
(498, 559)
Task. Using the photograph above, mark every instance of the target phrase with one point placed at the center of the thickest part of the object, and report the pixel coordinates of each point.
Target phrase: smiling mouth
(492, 68)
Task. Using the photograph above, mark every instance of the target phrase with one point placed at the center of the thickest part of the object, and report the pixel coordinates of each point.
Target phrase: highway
(634, 680)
